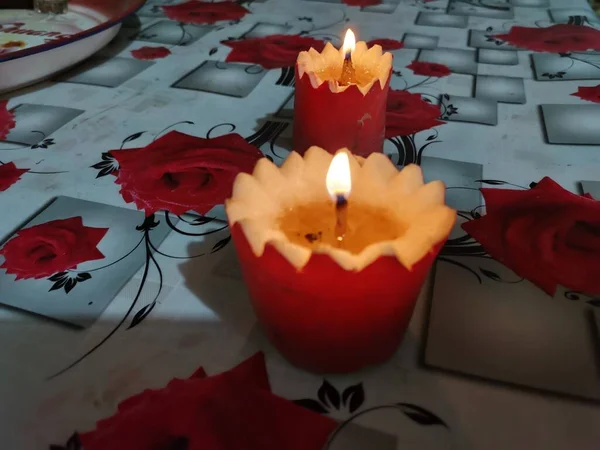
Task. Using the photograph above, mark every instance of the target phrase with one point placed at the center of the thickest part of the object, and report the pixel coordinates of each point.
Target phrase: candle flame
(349, 43)
(338, 179)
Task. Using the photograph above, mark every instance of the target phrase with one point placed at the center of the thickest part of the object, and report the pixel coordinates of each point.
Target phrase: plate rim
(135, 6)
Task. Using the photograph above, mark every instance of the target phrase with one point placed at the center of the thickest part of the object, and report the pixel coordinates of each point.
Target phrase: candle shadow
(219, 287)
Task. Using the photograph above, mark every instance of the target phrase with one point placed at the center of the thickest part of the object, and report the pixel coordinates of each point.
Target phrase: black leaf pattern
(353, 397)
(58, 276)
(492, 275)
(595, 302)
(107, 166)
(67, 281)
(70, 284)
(213, 51)
(431, 138)
(74, 443)
(311, 404)
(141, 315)
(221, 244)
(202, 220)
(532, 184)
(133, 137)
(420, 415)
(150, 223)
(489, 29)
(446, 96)
(83, 276)
(105, 171)
(44, 144)
(552, 76)
(572, 295)
(59, 284)
(492, 182)
(328, 395)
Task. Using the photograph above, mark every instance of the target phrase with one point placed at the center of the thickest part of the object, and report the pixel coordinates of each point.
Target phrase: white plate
(35, 46)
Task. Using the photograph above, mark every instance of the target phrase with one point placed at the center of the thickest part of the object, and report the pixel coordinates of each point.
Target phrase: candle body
(326, 319)
(333, 120)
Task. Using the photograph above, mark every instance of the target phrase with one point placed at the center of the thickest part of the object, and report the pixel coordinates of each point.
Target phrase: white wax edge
(258, 200)
(310, 62)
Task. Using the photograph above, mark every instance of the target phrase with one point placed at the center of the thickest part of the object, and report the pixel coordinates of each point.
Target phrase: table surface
(502, 130)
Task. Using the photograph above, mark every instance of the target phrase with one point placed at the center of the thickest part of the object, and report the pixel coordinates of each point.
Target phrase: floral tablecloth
(502, 117)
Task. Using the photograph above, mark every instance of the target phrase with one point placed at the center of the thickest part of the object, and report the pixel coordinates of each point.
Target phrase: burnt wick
(341, 218)
(347, 76)
(312, 237)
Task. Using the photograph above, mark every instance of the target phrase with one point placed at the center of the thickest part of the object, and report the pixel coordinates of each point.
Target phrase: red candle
(340, 98)
(331, 301)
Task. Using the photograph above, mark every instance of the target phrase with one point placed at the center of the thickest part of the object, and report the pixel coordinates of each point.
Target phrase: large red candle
(341, 104)
(327, 305)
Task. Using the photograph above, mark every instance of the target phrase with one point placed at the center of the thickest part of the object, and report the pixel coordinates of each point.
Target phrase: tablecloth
(510, 118)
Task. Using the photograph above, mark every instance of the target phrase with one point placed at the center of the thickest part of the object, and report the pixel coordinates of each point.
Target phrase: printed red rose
(386, 44)
(271, 52)
(362, 3)
(9, 175)
(560, 38)
(547, 235)
(408, 114)
(230, 411)
(591, 93)
(200, 12)
(150, 53)
(43, 250)
(7, 120)
(429, 69)
(180, 173)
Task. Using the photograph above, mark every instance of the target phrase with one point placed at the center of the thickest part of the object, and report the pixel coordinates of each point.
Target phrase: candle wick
(347, 76)
(341, 215)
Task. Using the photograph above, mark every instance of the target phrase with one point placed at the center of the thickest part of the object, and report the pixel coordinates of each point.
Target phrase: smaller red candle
(331, 300)
(340, 98)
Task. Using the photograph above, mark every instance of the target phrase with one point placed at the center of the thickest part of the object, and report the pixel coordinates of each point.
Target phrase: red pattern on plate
(589, 93)
(386, 44)
(114, 11)
(545, 234)
(180, 173)
(9, 175)
(271, 52)
(408, 114)
(560, 38)
(229, 411)
(429, 69)
(7, 120)
(13, 44)
(149, 53)
(200, 12)
(43, 250)
(362, 3)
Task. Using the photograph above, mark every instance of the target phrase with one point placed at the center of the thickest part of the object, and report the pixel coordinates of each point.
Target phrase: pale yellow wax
(312, 225)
